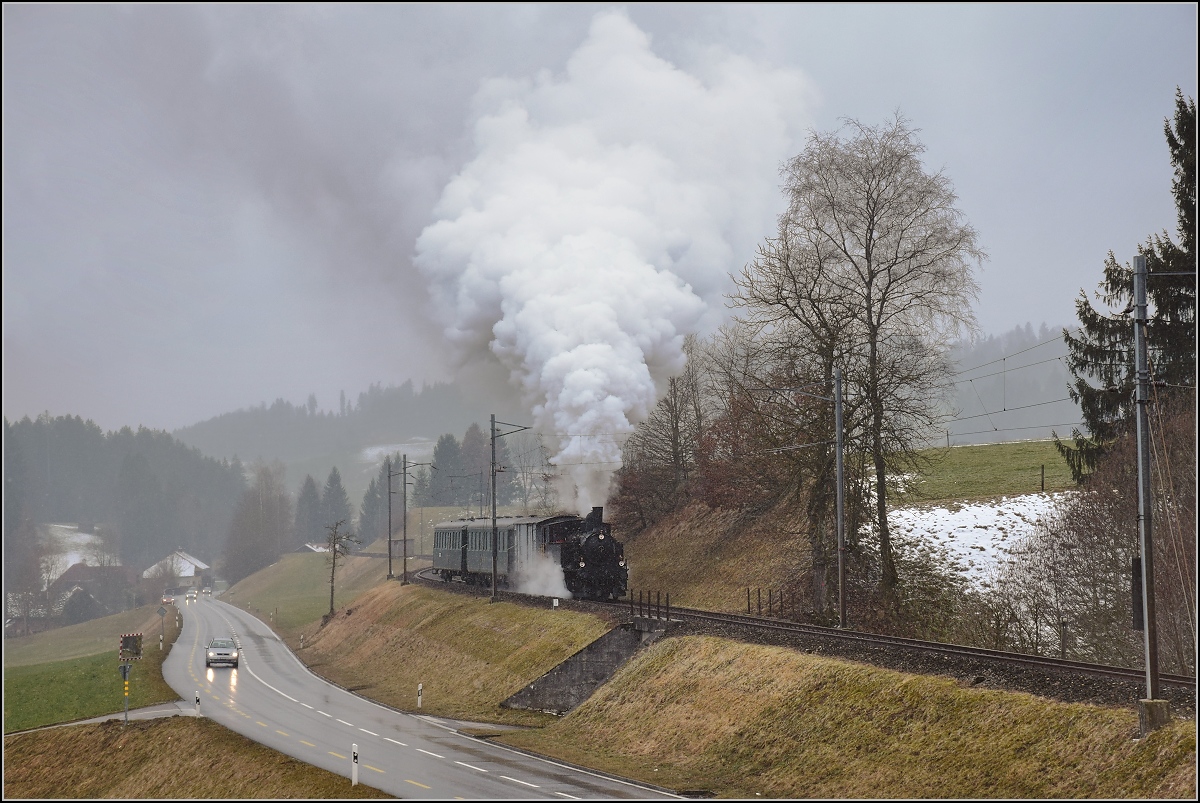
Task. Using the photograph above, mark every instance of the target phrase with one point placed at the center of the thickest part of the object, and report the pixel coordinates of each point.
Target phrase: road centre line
(465, 764)
(393, 741)
(514, 780)
(364, 730)
(426, 752)
(347, 724)
(569, 797)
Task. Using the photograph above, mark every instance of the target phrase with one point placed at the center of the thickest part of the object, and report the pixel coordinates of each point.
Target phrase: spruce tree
(335, 502)
(1101, 355)
(308, 528)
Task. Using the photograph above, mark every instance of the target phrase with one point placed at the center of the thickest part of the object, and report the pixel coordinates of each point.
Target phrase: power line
(1009, 409)
(1015, 353)
(1014, 429)
(1007, 370)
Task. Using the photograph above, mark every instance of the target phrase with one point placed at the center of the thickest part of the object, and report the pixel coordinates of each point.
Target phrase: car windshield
(221, 642)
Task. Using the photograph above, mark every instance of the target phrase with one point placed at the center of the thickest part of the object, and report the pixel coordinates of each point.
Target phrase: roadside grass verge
(746, 720)
(86, 638)
(81, 688)
(468, 655)
(181, 758)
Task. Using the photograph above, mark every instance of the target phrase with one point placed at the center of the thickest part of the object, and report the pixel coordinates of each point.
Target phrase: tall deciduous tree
(882, 240)
(1101, 355)
(262, 524)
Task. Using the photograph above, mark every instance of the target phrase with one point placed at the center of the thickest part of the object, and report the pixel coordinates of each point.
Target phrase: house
(179, 564)
(109, 586)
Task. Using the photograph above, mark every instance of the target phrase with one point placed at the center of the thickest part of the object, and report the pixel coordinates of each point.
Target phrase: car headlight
(235, 653)
(211, 654)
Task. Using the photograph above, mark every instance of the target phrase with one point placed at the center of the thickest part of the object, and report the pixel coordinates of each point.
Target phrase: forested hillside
(309, 441)
(144, 491)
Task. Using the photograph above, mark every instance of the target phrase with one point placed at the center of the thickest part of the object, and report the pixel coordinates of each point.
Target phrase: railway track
(1067, 680)
(933, 647)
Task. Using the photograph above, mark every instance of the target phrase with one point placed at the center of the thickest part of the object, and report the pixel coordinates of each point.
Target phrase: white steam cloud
(598, 223)
(540, 574)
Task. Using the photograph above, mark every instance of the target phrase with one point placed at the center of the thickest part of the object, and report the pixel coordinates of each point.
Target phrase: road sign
(162, 611)
(131, 646)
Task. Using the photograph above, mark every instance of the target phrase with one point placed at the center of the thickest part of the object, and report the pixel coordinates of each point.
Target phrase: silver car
(221, 651)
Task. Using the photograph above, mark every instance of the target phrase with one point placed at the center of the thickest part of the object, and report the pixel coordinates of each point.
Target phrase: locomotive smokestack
(598, 514)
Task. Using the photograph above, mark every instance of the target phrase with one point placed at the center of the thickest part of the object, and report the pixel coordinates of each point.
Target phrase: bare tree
(881, 239)
(1067, 589)
(659, 458)
(529, 462)
(338, 544)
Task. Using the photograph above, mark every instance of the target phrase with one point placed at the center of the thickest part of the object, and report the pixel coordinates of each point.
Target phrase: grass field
(974, 473)
(37, 694)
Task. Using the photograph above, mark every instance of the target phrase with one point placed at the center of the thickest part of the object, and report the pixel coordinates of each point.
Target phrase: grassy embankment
(689, 713)
(707, 559)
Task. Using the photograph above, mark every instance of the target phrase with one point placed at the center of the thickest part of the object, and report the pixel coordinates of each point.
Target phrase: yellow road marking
(414, 783)
(368, 766)
(310, 744)
(338, 755)
(281, 733)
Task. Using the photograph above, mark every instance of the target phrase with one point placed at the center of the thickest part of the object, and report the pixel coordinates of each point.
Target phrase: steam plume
(597, 225)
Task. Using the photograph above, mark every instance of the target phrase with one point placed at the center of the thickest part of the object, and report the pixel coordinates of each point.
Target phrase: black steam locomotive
(592, 562)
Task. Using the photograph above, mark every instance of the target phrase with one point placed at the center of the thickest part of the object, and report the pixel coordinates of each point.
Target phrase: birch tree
(878, 272)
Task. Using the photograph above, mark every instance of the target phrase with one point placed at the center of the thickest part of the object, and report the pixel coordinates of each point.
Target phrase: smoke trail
(597, 225)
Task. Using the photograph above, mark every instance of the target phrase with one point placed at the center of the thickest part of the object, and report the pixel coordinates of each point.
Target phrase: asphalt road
(274, 699)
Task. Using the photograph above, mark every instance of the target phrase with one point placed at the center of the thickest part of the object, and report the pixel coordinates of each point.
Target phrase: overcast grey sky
(209, 207)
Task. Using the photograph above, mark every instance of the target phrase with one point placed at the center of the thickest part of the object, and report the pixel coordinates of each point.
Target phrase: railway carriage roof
(503, 521)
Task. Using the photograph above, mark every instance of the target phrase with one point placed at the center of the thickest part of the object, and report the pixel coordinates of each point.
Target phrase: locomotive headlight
(601, 536)
(581, 564)
(621, 563)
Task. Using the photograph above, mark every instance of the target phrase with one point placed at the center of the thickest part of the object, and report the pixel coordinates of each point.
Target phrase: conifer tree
(335, 502)
(1101, 355)
(308, 528)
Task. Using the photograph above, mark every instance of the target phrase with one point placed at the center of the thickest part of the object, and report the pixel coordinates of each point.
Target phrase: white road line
(364, 730)
(465, 764)
(569, 797)
(393, 741)
(426, 752)
(344, 722)
(306, 705)
(514, 780)
(324, 714)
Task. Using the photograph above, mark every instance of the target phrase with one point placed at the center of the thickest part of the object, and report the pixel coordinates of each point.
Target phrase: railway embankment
(569, 684)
